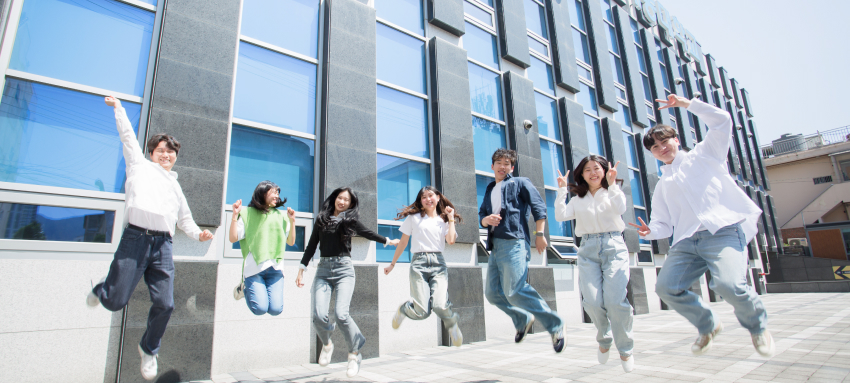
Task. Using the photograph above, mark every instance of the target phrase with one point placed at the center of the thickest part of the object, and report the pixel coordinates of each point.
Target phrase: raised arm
(563, 211)
(398, 250)
(659, 222)
(290, 237)
(132, 151)
(719, 137)
(616, 197)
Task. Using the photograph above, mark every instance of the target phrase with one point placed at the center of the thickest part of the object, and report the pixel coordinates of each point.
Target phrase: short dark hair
(508, 154)
(659, 132)
(170, 142)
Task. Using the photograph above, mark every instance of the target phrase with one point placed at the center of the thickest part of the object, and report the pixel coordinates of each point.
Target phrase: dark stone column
(637, 291)
(682, 122)
(766, 221)
(561, 38)
(737, 144)
(348, 120)
(574, 131)
(777, 232)
(192, 96)
(364, 311)
(736, 93)
(733, 161)
(650, 178)
(724, 81)
(543, 280)
(597, 31)
(745, 97)
(513, 38)
(466, 292)
(631, 67)
(615, 149)
(448, 15)
(712, 71)
(655, 79)
(743, 145)
(759, 165)
(454, 162)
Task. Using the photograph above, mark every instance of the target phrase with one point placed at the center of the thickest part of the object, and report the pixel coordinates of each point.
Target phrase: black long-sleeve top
(331, 243)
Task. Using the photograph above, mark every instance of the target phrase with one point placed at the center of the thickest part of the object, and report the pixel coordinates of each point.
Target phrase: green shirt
(265, 234)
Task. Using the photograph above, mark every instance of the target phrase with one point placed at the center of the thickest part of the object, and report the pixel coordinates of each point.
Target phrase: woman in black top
(337, 222)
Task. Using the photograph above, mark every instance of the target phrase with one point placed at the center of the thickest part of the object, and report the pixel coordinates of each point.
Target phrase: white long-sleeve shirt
(600, 213)
(696, 189)
(154, 199)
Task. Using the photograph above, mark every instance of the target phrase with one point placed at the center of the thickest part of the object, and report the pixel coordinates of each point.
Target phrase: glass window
(629, 140)
(547, 120)
(275, 89)
(477, 13)
(612, 41)
(386, 254)
(637, 189)
(553, 161)
(289, 24)
(487, 137)
(485, 89)
(481, 183)
(640, 213)
(257, 155)
(401, 59)
(594, 135)
(560, 229)
(606, 11)
(58, 137)
(644, 256)
(583, 72)
(66, 40)
(402, 122)
(647, 91)
(540, 74)
(297, 247)
(580, 40)
(535, 18)
(52, 223)
(577, 17)
(618, 70)
(641, 59)
(399, 180)
(537, 46)
(404, 13)
(624, 117)
(587, 99)
(481, 46)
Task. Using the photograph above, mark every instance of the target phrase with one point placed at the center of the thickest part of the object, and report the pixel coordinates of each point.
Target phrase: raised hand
(206, 235)
(290, 213)
(113, 102)
(450, 212)
(237, 207)
(674, 101)
(612, 174)
(562, 179)
(643, 229)
(388, 269)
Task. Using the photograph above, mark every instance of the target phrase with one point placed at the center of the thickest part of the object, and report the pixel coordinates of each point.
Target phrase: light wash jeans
(725, 255)
(603, 272)
(508, 288)
(264, 292)
(429, 288)
(335, 273)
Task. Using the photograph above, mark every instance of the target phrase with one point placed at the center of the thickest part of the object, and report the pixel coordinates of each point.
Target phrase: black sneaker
(559, 340)
(520, 335)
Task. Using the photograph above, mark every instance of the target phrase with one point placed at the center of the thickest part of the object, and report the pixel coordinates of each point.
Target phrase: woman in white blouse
(603, 259)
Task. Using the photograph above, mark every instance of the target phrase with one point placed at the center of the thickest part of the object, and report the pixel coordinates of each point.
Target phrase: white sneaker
(93, 300)
(703, 342)
(455, 335)
(764, 344)
(239, 291)
(353, 364)
(629, 365)
(398, 317)
(325, 356)
(148, 365)
(602, 357)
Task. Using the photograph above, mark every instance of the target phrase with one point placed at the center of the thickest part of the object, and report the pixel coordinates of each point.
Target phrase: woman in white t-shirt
(603, 258)
(430, 221)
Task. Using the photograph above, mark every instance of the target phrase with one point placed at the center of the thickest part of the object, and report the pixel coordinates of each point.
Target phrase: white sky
(792, 56)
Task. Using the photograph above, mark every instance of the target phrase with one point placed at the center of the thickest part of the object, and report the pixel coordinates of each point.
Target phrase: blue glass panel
(290, 24)
(587, 99)
(52, 223)
(577, 17)
(635, 33)
(647, 91)
(401, 59)
(535, 18)
(547, 120)
(485, 91)
(639, 213)
(297, 247)
(151, 2)
(606, 10)
(537, 46)
(65, 40)
(487, 137)
(540, 74)
(612, 40)
(580, 40)
(404, 13)
(481, 46)
(477, 13)
(386, 254)
(641, 59)
(552, 157)
(399, 180)
(257, 155)
(560, 229)
(623, 117)
(631, 158)
(481, 183)
(594, 135)
(402, 123)
(583, 72)
(275, 89)
(618, 70)
(637, 189)
(59, 137)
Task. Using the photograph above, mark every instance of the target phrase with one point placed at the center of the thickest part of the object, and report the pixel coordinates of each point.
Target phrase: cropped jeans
(429, 289)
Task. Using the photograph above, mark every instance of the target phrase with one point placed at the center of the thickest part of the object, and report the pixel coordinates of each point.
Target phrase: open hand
(643, 229)
(612, 174)
(388, 269)
(562, 179)
(206, 235)
(237, 207)
(113, 102)
(290, 213)
(674, 101)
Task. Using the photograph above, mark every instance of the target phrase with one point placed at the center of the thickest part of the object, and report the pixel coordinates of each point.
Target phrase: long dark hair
(416, 206)
(351, 215)
(581, 187)
(258, 200)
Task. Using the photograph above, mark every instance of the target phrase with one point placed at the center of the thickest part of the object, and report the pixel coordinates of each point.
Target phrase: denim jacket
(518, 195)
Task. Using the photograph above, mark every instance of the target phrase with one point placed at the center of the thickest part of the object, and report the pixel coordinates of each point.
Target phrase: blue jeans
(429, 287)
(335, 273)
(725, 255)
(508, 288)
(264, 292)
(603, 270)
(138, 255)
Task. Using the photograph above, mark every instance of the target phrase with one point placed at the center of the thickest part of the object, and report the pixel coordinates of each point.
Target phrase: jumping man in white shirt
(154, 204)
(713, 220)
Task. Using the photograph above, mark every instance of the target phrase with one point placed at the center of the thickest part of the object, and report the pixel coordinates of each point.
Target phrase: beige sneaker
(456, 336)
(353, 364)
(148, 364)
(398, 317)
(764, 344)
(703, 342)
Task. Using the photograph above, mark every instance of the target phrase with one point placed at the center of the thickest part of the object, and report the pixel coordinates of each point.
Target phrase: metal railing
(811, 141)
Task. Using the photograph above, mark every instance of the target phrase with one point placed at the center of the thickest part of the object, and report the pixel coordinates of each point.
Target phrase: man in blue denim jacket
(504, 212)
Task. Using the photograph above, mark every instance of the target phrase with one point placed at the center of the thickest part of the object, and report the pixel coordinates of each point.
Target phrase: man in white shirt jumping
(714, 220)
(154, 204)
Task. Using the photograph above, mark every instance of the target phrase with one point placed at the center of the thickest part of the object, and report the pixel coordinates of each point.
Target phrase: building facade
(384, 96)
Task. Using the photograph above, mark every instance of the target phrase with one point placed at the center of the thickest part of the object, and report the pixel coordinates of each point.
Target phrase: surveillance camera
(739, 127)
(697, 95)
(527, 124)
(679, 80)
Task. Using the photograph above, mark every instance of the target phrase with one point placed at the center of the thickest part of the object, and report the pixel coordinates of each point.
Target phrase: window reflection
(487, 137)
(401, 59)
(402, 122)
(399, 180)
(481, 46)
(386, 254)
(485, 91)
(547, 120)
(553, 161)
(289, 24)
(53, 223)
(560, 229)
